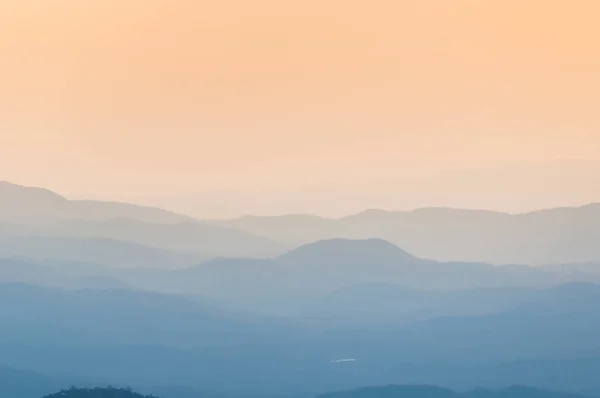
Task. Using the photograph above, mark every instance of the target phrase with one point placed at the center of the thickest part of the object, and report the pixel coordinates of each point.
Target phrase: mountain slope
(23, 384)
(560, 235)
(311, 272)
(52, 316)
(424, 391)
(100, 251)
(344, 250)
(36, 212)
(19, 202)
(459, 352)
(109, 392)
(151, 339)
(185, 236)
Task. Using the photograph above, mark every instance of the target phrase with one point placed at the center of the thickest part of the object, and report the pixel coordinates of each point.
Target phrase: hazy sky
(144, 97)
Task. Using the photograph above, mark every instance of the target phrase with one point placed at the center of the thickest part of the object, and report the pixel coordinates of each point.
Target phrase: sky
(152, 98)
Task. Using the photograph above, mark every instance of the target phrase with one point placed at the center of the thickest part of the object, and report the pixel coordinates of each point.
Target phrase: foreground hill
(98, 393)
(367, 392)
(538, 337)
(559, 235)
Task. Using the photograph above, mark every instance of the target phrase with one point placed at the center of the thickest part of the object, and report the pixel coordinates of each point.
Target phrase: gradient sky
(146, 97)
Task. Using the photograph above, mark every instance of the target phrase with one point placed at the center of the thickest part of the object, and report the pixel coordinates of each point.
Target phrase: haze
(153, 99)
(299, 199)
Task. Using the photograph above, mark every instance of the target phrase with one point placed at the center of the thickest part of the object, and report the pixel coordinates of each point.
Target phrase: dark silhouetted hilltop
(107, 392)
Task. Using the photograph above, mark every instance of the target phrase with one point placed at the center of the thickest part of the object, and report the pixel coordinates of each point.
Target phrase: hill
(313, 271)
(39, 214)
(183, 236)
(23, 384)
(147, 339)
(19, 202)
(560, 235)
(115, 316)
(336, 263)
(108, 392)
(57, 274)
(345, 250)
(437, 392)
(102, 251)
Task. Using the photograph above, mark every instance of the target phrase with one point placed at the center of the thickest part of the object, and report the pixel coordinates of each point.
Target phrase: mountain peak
(21, 202)
(353, 248)
(9, 191)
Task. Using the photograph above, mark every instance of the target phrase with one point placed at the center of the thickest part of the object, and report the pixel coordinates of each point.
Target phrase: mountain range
(553, 236)
(317, 269)
(315, 275)
(295, 305)
(148, 339)
(560, 235)
(20, 202)
(418, 391)
(38, 223)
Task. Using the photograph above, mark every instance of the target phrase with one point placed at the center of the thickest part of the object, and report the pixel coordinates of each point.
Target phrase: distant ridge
(183, 236)
(27, 384)
(20, 202)
(551, 236)
(43, 222)
(101, 251)
(425, 391)
(373, 212)
(7, 188)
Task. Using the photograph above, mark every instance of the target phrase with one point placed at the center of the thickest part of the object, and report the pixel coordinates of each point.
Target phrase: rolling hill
(19, 202)
(23, 384)
(423, 391)
(193, 237)
(297, 278)
(146, 339)
(560, 235)
(43, 220)
(101, 251)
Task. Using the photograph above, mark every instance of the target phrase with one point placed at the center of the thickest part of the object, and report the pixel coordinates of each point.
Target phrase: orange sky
(143, 97)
